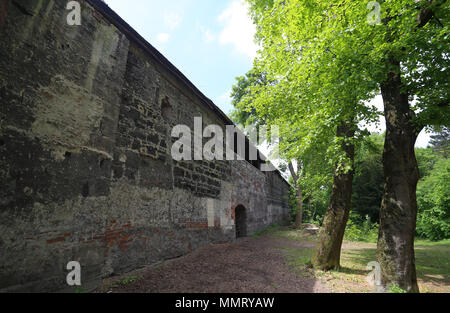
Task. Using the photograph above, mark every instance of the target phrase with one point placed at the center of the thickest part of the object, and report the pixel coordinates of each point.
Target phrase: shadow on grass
(299, 260)
(432, 258)
(352, 271)
(432, 262)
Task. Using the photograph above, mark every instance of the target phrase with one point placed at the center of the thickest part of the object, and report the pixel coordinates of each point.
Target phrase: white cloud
(172, 20)
(162, 38)
(239, 29)
(208, 36)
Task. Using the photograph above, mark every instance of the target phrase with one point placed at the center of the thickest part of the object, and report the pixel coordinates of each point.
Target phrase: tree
(329, 59)
(299, 193)
(328, 253)
(441, 142)
(313, 120)
(401, 61)
(245, 114)
(241, 114)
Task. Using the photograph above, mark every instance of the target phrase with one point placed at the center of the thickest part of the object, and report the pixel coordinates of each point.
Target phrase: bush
(433, 200)
(367, 232)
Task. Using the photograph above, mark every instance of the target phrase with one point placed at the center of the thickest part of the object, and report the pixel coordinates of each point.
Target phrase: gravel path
(250, 265)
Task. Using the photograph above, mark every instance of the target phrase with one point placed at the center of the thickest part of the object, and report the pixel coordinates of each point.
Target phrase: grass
(268, 231)
(285, 232)
(432, 263)
(120, 283)
(299, 260)
(424, 242)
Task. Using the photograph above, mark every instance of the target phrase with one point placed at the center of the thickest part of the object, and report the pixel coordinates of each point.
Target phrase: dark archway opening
(241, 222)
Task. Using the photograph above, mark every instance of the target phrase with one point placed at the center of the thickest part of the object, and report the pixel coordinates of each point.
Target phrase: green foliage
(316, 172)
(267, 231)
(241, 114)
(432, 193)
(316, 198)
(317, 205)
(293, 207)
(367, 232)
(396, 289)
(368, 180)
(441, 142)
(324, 61)
(128, 280)
(433, 199)
(426, 159)
(299, 260)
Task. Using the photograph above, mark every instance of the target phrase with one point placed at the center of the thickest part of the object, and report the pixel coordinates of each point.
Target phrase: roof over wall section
(112, 17)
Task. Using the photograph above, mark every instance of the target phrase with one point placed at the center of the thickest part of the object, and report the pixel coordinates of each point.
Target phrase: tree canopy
(322, 62)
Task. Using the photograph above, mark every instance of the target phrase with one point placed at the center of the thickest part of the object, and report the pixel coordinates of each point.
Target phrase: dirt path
(249, 265)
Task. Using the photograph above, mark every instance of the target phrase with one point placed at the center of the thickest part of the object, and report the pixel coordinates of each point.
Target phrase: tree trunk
(328, 252)
(398, 214)
(299, 216)
(295, 176)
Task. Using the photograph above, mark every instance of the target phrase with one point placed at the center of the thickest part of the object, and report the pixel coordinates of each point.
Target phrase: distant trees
(433, 197)
(369, 180)
(308, 171)
(433, 191)
(441, 142)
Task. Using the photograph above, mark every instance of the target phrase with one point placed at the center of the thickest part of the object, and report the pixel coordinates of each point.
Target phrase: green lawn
(432, 263)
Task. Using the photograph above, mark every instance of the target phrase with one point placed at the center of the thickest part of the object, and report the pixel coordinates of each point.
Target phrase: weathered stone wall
(262, 194)
(85, 168)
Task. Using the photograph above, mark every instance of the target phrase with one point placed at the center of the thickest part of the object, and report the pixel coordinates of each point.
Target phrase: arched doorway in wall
(240, 221)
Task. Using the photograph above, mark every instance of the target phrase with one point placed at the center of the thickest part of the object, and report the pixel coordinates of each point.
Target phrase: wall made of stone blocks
(85, 167)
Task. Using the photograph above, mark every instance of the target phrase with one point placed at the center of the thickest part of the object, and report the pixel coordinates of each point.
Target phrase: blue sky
(210, 41)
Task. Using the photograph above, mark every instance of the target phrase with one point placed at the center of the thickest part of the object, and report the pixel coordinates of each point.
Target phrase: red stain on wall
(55, 240)
(197, 225)
(116, 235)
(3, 10)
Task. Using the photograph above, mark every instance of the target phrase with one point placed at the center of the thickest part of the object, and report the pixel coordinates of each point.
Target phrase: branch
(293, 174)
(427, 14)
(299, 167)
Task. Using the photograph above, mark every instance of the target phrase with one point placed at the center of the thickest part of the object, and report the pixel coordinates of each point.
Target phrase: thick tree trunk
(399, 206)
(327, 255)
(299, 191)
